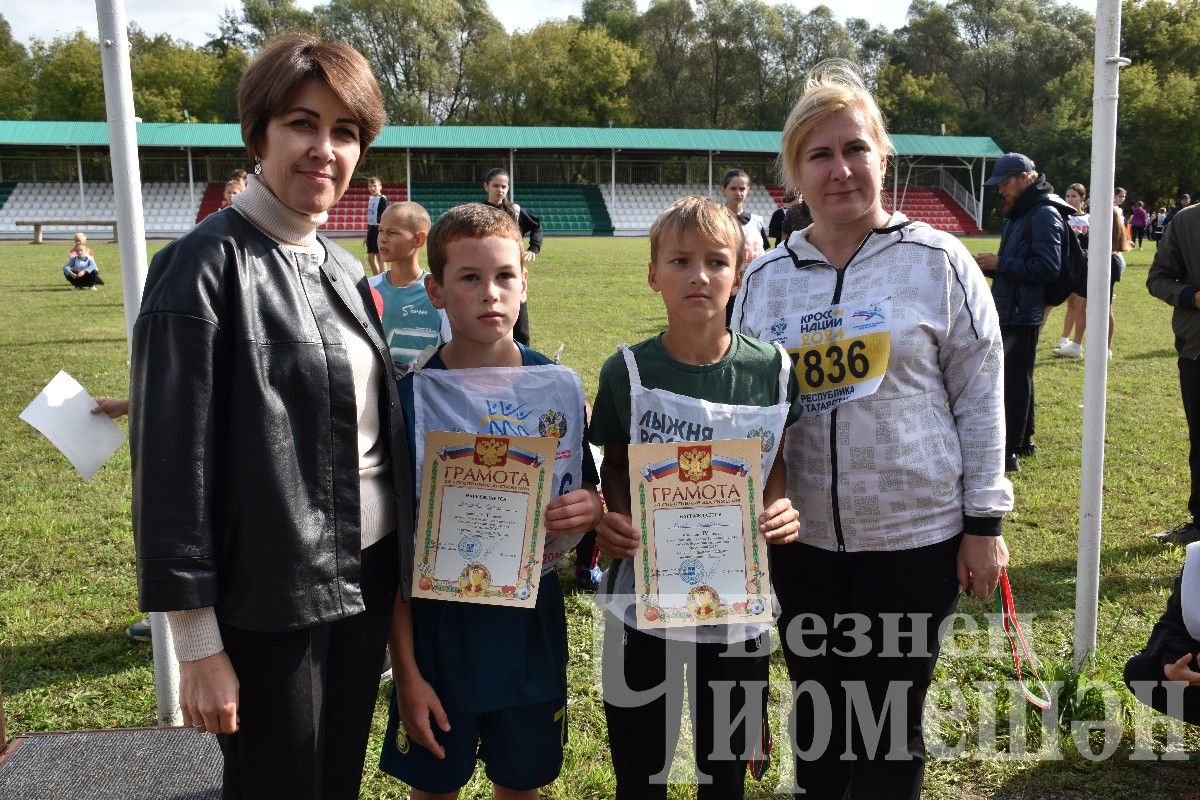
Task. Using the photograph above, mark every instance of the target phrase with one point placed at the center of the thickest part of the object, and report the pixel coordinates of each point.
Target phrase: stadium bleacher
(638, 204)
(169, 208)
(565, 209)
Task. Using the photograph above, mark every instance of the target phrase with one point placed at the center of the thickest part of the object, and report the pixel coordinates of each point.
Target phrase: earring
(257, 167)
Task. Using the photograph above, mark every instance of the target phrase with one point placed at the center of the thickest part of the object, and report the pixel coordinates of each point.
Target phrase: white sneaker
(1110, 355)
(1063, 341)
(1069, 350)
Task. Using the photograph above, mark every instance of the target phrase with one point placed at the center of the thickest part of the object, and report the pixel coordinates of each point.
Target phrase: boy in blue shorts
(410, 322)
(710, 384)
(484, 681)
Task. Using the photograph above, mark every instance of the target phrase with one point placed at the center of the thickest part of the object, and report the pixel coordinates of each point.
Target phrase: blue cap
(1008, 165)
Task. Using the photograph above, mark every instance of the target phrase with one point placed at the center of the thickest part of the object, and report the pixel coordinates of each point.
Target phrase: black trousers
(521, 329)
(1189, 385)
(643, 731)
(880, 613)
(1144, 677)
(1020, 355)
(306, 697)
(85, 280)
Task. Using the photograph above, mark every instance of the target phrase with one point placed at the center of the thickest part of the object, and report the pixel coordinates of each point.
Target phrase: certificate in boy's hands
(702, 559)
(480, 526)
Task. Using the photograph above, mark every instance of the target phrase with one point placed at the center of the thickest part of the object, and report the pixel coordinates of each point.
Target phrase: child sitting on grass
(719, 385)
(80, 270)
(410, 322)
(487, 681)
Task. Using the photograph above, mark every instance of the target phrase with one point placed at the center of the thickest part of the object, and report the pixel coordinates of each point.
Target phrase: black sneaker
(1184, 535)
(1011, 464)
(1027, 449)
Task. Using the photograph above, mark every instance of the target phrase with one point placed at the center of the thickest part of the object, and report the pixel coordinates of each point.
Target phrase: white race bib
(841, 351)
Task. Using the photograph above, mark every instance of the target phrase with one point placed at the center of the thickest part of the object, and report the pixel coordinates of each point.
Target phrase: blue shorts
(521, 747)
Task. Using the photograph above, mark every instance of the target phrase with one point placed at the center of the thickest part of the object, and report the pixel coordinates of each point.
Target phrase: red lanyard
(1007, 610)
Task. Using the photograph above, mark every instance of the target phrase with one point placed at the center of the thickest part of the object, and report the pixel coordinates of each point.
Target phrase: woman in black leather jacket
(272, 492)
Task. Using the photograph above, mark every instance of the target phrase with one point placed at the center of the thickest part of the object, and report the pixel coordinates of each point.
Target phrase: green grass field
(67, 586)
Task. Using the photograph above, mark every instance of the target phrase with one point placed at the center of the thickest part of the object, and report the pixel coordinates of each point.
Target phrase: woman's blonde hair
(832, 85)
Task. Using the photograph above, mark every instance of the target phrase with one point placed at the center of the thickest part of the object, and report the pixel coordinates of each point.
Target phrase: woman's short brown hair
(271, 81)
(832, 85)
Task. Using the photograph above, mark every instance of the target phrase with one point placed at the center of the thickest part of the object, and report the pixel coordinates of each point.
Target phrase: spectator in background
(1118, 199)
(1076, 197)
(775, 226)
(1139, 220)
(1185, 200)
(232, 188)
(496, 184)
(1158, 222)
(140, 630)
(80, 270)
(1174, 278)
(1120, 245)
(377, 203)
(1030, 257)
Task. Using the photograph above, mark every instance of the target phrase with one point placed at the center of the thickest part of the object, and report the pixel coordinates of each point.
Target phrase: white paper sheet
(63, 414)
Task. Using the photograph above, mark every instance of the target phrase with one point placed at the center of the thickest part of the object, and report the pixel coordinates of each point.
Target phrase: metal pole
(127, 189)
(79, 170)
(191, 185)
(612, 181)
(408, 173)
(512, 176)
(979, 197)
(1108, 64)
(710, 192)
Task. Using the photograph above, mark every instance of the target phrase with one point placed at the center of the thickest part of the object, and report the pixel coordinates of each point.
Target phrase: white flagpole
(1108, 63)
(127, 188)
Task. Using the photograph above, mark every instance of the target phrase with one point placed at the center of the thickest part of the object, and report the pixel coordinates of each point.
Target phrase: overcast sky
(196, 20)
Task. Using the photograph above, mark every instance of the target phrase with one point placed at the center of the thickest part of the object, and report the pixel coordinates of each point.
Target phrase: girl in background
(756, 240)
(735, 189)
(1076, 195)
(1120, 244)
(496, 185)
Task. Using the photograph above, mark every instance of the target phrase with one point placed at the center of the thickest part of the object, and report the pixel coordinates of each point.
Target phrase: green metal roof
(456, 137)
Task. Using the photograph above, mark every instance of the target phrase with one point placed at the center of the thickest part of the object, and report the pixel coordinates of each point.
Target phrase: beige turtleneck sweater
(195, 631)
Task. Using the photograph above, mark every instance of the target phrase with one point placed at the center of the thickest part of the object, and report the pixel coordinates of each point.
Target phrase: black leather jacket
(243, 432)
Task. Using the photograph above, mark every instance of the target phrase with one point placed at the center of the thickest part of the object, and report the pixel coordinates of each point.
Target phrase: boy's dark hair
(795, 218)
(468, 221)
(710, 219)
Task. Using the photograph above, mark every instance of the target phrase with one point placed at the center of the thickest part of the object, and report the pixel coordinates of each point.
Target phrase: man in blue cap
(1030, 257)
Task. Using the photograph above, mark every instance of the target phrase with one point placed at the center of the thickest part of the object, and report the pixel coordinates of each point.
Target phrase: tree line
(1019, 71)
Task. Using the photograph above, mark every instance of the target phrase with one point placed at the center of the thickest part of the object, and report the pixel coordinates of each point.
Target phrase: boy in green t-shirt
(668, 387)
(410, 322)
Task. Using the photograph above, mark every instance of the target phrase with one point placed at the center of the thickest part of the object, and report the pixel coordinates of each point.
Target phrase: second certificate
(479, 528)
(702, 559)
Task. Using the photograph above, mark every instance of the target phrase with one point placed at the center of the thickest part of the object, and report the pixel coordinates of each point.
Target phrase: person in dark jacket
(1184, 201)
(1030, 257)
(1174, 278)
(496, 184)
(272, 497)
(1171, 654)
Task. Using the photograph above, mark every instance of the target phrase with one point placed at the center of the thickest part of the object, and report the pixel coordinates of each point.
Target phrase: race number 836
(841, 363)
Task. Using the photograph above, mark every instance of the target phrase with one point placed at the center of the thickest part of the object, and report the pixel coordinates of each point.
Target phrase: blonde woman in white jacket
(897, 462)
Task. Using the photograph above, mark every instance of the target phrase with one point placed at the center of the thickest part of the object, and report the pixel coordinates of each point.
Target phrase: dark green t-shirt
(748, 375)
